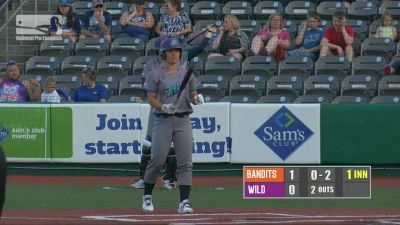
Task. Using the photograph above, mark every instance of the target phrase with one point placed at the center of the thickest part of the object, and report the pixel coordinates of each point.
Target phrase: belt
(164, 115)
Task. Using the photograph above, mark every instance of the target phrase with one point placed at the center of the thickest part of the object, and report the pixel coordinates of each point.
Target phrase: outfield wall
(223, 132)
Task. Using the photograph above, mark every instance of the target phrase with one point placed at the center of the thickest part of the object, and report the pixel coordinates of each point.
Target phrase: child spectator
(50, 95)
(309, 38)
(338, 39)
(272, 40)
(386, 29)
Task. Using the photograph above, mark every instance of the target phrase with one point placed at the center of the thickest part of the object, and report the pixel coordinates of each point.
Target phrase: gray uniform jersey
(167, 87)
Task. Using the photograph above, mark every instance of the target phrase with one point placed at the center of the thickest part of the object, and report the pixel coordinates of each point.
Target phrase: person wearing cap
(13, 90)
(137, 22)
(174, 23)
(97, 22)
(169, 177)
(69, 25)
(172, 122)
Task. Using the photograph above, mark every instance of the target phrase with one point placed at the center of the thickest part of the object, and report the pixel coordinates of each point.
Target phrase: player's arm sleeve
(193, 83)
(150, 83)
(193, 52)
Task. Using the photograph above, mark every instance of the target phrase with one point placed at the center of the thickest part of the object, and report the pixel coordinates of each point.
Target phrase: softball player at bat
(169, 177)
(171, 123)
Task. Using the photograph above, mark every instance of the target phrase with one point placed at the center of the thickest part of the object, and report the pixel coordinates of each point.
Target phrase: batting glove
(168, 108)
(198, 99)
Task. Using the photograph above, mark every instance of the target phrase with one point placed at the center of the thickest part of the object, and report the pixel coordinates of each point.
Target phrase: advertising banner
(275, 133)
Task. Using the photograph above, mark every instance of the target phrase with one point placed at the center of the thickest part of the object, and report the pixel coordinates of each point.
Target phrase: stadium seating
(40, 78)
(337, 66)
(383, 47)
(385, 99)
(213, 86)
(116, 8)
(116, 66)
(326, 9)
(223, 65)
(73, 65)
(116, 30)
(351, 99)
(392, 7)
(364, 10)
(359, 85)
(263, 9)
(94, 47)
(110, 82)
(250, 27)
(42, 65)
(153, 8)
(389, 85)
(122, 99)
(133, 86)
(265, 66)
(151, 49)
(206, 10)
(240, 9)
(238, 99)
(299, 9)
(129, 47)
(81, 7)
(70, 82)
(56, 48)
(285, 85)
(251, 85)
(360, 27)
(371, 65)
(140, 63)
(313, 99)
(323, 85)
(275, 99)
(300, 66)
(201, 25)
(198, 65)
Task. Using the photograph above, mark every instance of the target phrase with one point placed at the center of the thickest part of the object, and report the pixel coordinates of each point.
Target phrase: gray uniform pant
(179, 131)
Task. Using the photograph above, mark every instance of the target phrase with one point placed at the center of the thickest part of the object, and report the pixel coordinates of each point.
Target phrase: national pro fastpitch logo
(35, 27)
(283, 133)
(3, 132)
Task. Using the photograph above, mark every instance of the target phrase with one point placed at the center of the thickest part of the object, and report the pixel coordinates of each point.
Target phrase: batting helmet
(170, 43)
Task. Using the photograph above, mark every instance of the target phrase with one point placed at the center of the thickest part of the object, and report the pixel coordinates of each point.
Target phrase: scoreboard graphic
(306, 182)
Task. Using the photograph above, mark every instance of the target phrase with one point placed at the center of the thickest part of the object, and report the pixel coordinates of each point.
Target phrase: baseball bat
(184, 83)
(197, 35)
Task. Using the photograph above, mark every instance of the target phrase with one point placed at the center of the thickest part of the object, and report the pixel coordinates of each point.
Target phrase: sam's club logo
(3, 132)
(283, 133)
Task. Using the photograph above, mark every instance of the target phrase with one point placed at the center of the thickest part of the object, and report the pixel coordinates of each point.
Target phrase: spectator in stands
(309, 38)
(137, 22)
(12, 89)
(338, 38)
(174, 23)
(393, 67)
(69, 25)
(272, 39)
(50, 94)
(3, 175)
(97, 22)
(230, 41)
(386, 28)
(89, 91)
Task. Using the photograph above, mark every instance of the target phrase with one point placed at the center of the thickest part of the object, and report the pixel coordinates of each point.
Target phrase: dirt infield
(198, 180)
(217, 216)
(204, 216)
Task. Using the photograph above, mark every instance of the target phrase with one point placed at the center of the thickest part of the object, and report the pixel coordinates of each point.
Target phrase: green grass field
(29, 197)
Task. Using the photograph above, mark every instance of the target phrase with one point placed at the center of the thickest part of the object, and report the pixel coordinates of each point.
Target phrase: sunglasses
(98, 6)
